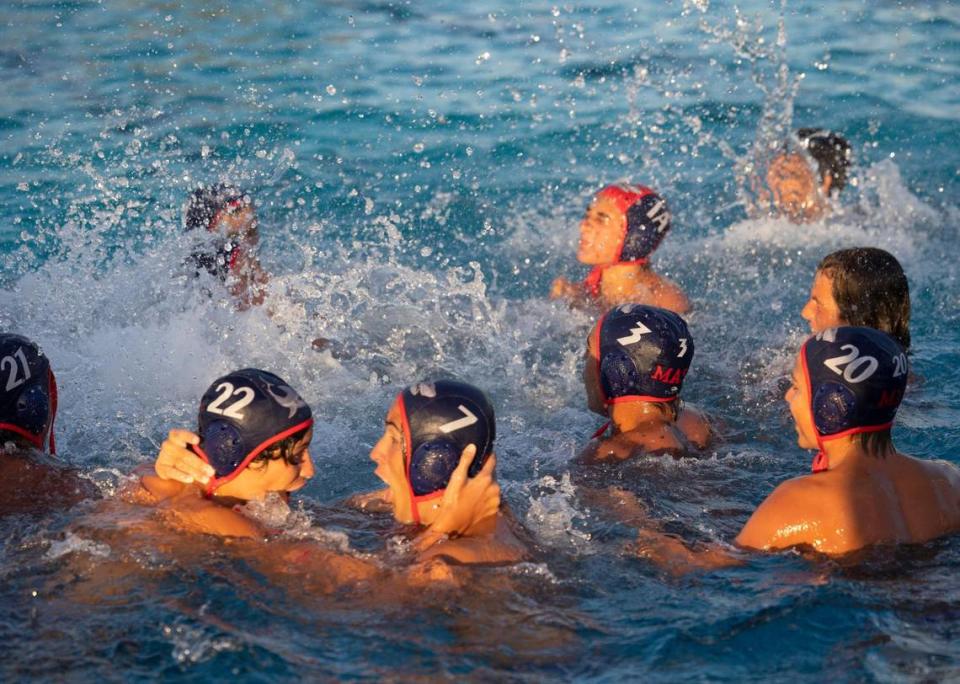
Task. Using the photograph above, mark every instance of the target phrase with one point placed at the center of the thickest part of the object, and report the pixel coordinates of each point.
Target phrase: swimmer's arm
(176, 462)
(213, 519)
(378, 501)
(666, 551)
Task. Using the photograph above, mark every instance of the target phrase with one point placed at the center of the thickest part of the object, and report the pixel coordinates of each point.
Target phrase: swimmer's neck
(850, 454)
(623, 270)
(635, 415)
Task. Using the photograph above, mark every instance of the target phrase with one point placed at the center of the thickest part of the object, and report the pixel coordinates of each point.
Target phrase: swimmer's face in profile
(387, 453)
(795, 187)
(281, 475)
(798, 399)
(822, 311)
(591, 379)
(601, 232)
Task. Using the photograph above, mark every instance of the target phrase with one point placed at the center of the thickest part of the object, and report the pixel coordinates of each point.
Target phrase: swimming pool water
(420, 169)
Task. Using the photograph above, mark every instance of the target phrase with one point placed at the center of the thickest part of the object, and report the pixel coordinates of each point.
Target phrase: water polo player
(29, 479)
(846, 387)
(225, 218)
(455, 503)
(623, 226)
(254, 431)
(427, 429)
(861, 286)
(636, 360)
(797, 190)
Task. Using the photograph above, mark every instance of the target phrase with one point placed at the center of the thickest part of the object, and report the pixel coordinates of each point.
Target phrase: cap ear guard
(432, 464)
(619, 375)
(648, 221)
(833, 407)
(223, 446)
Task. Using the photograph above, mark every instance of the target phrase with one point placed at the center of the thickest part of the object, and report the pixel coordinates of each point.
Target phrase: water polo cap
(243, 414)
(855, 378)
(439, 419)
(643, 353)
(28, 392)
(648, 220)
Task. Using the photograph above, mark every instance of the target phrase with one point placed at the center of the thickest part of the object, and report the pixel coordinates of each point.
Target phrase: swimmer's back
(900, 500)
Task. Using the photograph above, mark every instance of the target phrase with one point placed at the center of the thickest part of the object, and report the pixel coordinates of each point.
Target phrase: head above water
(623, 223)
(249, 416)
(852, 381)
(861, 286)
(437, 421)
(28, 394)
(832, 153)
(211, 207)
(636, 353)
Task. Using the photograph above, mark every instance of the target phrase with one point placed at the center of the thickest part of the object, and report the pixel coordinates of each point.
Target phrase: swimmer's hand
(564, 289)
(466, 501)
(176, 462)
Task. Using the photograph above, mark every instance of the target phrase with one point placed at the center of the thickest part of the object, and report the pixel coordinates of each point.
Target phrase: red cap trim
(638, 397)
(217, 482)
(53, 413)
(603, 428)
(35, 440)
(408, 457)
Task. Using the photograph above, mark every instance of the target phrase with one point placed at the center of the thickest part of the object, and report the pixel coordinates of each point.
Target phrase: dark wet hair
(876, 444)
(281, 450)
(871, 290)
(832, 153)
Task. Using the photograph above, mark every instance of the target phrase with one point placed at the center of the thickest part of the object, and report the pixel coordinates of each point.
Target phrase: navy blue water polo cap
(855, 378)
(439, 420)
(243, 414)
(648, 219)
(28, 392)
(643, 353)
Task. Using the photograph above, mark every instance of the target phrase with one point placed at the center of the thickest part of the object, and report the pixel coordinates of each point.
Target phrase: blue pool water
(420, 170)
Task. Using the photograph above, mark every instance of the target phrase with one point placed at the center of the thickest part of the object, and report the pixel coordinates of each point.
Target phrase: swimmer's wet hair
(281, 450)
(832, 153)
(871, 290)
(876, 444)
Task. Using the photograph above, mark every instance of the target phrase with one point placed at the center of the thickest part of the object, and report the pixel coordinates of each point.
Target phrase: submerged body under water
(419, 175)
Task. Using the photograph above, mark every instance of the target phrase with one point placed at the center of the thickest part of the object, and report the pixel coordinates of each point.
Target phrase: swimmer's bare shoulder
(795, 513)
(660, 440)
(186, 509)
(665, 293)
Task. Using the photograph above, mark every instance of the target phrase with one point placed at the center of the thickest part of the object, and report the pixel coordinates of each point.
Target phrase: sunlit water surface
(420, 169)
